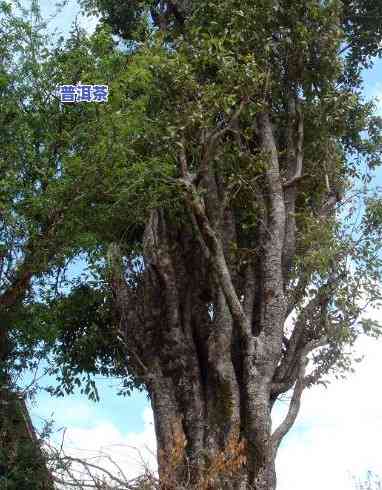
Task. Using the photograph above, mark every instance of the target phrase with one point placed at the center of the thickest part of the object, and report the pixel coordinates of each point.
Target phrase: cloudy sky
(337, 434)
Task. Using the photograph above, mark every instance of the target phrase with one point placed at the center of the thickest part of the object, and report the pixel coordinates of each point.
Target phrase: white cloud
(106, 446)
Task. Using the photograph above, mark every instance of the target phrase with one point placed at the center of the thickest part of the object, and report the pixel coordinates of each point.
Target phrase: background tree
(41, 212)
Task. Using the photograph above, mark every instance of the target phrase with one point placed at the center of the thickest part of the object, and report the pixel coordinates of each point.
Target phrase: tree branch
(294, 408)
(295, 350)
(216, 255)
(214, 136)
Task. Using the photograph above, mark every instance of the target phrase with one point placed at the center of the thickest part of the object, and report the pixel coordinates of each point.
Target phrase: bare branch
(89, 466)
(294, 408)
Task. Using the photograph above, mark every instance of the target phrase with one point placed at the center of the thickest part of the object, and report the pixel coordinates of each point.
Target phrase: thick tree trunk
(205, 329)
(211, 405)
(222, 460)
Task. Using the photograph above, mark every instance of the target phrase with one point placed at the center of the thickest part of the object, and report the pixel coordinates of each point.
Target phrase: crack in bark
(215, 347)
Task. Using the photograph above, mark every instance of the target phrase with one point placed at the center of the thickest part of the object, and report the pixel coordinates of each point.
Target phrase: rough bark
(208, 333)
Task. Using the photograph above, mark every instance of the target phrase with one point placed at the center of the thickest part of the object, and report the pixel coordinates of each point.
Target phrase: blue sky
(337, 433)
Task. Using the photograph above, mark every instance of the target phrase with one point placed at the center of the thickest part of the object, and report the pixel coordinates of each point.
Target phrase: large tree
(219, 183)
(239, 275)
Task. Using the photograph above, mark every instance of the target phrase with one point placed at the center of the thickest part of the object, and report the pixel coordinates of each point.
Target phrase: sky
(337, 435)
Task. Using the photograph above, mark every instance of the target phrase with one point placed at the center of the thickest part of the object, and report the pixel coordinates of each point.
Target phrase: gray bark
(209, 333)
